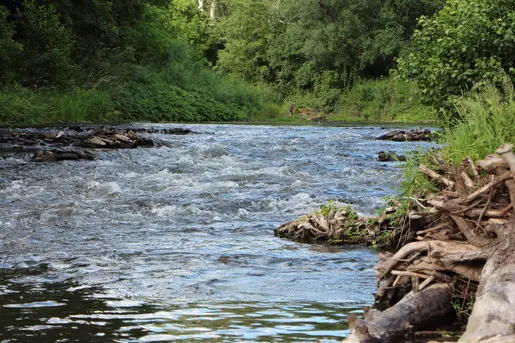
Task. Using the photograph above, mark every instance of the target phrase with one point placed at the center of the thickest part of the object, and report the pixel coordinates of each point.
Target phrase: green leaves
(466, 43)
(316, 47)
(10, 50)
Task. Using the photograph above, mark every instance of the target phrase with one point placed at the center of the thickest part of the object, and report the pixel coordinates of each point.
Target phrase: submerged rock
(62, 155)
(389, 156)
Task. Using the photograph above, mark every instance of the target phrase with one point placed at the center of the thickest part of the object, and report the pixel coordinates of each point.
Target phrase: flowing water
(175, 243)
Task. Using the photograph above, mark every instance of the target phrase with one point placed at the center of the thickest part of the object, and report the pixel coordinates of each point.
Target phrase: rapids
(175, 243)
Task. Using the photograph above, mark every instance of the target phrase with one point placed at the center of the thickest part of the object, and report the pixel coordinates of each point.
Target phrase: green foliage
(314, 49)
(20, 105)
(149, 96)
(466, 43)
(132, 62)
(10, 50)
(385, 99)
(246, 34)
(47, 45)
(487, 120)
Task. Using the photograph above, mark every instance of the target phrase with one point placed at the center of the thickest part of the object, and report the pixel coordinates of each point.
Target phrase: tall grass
(182, 94)
(487, 120)
(19, 105)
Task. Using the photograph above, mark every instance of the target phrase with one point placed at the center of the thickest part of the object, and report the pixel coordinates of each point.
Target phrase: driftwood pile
(407, 135)
(465, 257)
(455, 254)
(341, 225)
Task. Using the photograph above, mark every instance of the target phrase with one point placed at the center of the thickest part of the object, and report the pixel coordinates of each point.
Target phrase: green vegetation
(190, 60)
(21, 105)
(487, 120)
(383, 100)
(116, 61)
(467, 43)
(312, 53)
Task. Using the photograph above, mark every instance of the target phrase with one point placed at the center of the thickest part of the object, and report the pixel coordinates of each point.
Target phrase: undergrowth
(19, 105)
(383, 100)
(487, 120)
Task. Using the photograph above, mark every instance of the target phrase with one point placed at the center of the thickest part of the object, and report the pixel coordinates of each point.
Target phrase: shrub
(466, 43)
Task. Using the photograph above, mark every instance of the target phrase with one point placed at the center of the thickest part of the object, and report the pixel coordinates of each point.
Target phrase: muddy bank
(78, 142)
(453, 256)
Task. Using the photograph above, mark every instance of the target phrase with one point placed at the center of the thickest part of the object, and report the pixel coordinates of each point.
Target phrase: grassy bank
(141, 94)
(486, 121)
(374, 101)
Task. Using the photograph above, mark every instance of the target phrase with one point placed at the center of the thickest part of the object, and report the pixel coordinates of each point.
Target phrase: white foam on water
(294, 203)
(107, 188)
(165, 211)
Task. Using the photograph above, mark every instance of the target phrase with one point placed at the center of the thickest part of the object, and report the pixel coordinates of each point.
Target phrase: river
(175, 243)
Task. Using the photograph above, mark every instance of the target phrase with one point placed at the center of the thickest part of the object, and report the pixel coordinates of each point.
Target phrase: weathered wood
(494, 309)
(435, 176)
(436, 247)
(429, 307)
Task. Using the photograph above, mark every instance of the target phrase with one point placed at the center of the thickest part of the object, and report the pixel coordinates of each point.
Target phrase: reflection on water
(66, 312)
(176, 242)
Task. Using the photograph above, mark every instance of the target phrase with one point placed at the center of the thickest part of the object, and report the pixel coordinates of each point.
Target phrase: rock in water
(407, 135)
(390, 156)
(44, 156)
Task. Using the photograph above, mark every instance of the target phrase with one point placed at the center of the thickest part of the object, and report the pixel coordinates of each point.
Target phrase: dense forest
(189, 60)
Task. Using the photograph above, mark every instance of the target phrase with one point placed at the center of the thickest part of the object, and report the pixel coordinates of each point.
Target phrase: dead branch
(486, 188)
(435, 176)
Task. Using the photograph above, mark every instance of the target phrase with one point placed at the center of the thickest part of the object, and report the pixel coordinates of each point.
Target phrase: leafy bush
(10, 50)
(47, 46)
(466, 43)
(185, 95)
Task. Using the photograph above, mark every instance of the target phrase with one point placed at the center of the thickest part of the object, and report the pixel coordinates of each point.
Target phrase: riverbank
(451, 232)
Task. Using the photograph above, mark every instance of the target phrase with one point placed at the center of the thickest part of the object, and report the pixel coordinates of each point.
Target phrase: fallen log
(425, 309)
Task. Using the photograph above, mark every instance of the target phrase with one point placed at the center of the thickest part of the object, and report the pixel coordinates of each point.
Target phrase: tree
(10, 50)
(246, 37)
(466, 43)
(47, 46)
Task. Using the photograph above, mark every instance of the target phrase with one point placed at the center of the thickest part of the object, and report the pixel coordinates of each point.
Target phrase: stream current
(175, 243)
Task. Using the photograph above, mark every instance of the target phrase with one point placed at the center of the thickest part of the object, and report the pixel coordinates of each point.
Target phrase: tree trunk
(212, 9)
(201, 5)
